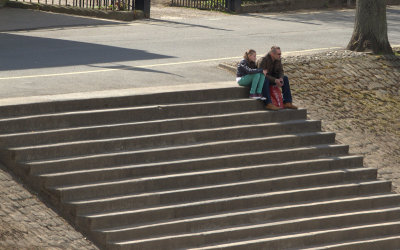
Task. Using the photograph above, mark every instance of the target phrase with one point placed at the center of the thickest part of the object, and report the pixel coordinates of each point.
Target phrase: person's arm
(246, 69)
(265, 72)
(280, 67)
(271, 79)
(265, 63)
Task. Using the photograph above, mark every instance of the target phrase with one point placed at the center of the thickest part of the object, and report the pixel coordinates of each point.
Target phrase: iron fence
(123, 5)
(221, 5)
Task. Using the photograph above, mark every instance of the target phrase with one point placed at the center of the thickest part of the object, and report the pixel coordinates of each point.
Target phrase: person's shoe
(260, 97)
(271, 106)
(253, 96)
(289, 105)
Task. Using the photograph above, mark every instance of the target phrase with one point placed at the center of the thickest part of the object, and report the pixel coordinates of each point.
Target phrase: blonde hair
(247, 53)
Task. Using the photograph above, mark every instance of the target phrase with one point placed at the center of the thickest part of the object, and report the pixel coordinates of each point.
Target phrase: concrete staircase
(198, 169)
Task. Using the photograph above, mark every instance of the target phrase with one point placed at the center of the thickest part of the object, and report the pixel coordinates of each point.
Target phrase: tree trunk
(370, 28)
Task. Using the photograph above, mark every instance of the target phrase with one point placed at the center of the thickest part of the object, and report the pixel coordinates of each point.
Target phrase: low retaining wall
(116, 15)
(287, 5)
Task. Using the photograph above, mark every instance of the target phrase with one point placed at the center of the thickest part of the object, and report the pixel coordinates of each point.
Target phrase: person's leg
(287, 95)
(254, 83)
(260, 83)
(265, 91)
(245, 80)
(248, 80)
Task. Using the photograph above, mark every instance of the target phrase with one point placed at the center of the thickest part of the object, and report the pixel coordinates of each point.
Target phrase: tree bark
(370, 28)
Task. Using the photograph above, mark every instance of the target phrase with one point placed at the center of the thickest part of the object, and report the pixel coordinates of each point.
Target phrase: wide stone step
(160, 140)
(188, 210)
(242, 159)
(219, 191)
(248, 216)
(177, 193)
(112, 129)
(239, 202)
(115, 100)
(261, 229)
(387, 243)
(116, 203)
(188, 177)
(128, 114)
(308, 239)
(134, 185)
(195, 151)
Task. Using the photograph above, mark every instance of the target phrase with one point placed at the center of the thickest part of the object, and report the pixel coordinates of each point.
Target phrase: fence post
(143, 5)
(350, 3)
(234, 5)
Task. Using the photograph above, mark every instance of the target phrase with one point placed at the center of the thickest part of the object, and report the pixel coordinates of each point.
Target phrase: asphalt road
(44, 53)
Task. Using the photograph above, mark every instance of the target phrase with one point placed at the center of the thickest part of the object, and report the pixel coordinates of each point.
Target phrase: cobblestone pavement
(357, 96)
(27, 223)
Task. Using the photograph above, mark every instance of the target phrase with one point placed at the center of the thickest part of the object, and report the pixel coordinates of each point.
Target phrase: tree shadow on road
(280, 19)
(332, 17)
(14, 19)
(135, 68)
(21, 52)
(161, 22)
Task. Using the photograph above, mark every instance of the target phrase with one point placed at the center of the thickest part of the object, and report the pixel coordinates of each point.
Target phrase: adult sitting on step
(248, 74)
(272, 63)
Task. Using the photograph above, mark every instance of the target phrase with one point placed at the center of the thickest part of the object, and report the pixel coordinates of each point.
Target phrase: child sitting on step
(248, 74)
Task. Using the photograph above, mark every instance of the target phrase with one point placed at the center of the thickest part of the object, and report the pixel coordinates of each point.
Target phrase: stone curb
(116, 15)
(116, 93)
(227, 67)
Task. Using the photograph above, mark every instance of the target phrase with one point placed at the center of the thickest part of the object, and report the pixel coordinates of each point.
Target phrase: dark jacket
(244, 68)
(275, 68)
